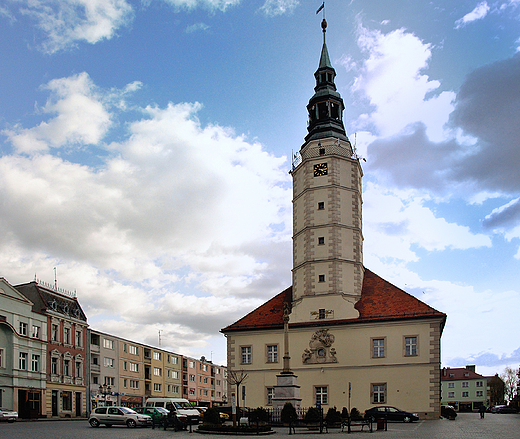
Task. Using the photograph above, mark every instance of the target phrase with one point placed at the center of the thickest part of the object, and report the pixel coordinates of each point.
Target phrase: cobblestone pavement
(466, 426)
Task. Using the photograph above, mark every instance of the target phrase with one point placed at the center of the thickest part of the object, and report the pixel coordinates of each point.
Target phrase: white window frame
(321, 395)
(108, 343)
(378, 393)
(269, 395)
(24, 328)
(411, 346)
(272, 353)
(246, 354)
(35, 363)
(23, 359)
(378, 347)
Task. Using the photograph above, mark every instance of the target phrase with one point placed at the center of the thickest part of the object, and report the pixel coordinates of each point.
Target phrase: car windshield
(162, 410)
(127, 410)
(182, 405)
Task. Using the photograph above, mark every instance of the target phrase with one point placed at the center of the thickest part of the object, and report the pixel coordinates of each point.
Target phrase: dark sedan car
(504, 409)
(390, 414)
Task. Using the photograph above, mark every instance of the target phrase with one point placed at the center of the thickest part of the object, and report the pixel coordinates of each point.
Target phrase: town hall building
(346, 336)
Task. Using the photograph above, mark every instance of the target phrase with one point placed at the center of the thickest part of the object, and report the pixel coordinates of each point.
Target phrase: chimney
(471, 367)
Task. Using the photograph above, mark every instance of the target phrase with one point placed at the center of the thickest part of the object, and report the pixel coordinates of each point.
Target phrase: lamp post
(105, 390)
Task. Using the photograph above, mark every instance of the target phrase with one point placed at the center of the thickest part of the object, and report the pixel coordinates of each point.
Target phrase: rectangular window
(125, 383)
(465, 384)
(35, 363)
(175, 374)
(175, 389)
(134, 384)
(270, 395)
(54, 366)
(321, 240)
(66, 335)
(192, 378)
(157, 356)
(451, 394)
(465, 394)
(109, 381)
(272, 353)
(321, 205)
(378, 393)
(66, 398)
(22, 361)
(205, 380)
(134, 367)
(175, 360)
(246, 354)
(378, 347)
(108, 344)
(35, 333)
(157, 371)
(410, 346)
(451, 385)
(66, 367)
(321, 278)
(125, 365)
(79, 336)
(479, 383)
(192, 364)
(192, 391)
(219, 383)
(23, 328)
(54, 331)
(2, 356)
(109, 362)
(157, 387)
(134, 350)
(321, 394)
(79, 372)
(322, 314)
(480, 393)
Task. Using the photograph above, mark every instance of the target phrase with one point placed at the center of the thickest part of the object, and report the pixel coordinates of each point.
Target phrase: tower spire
(326, 107)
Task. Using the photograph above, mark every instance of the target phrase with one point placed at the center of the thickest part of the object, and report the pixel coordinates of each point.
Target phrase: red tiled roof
(380, 301)
(459, 373)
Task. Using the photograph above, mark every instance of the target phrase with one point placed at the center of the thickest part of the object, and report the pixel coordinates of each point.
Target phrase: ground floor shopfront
(66, 401)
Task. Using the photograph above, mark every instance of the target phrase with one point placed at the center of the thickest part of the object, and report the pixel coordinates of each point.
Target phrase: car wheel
(94, 423)
(407, 419)
(131, 423)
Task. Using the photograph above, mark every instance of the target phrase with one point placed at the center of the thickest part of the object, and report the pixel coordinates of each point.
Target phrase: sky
(145, 149)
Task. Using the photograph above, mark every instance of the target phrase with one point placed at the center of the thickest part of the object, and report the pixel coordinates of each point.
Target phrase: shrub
(333, 416)
(288, 414)
(344, 413)
(211, 416)
(312, 415)
(259, 415)
(355, 415)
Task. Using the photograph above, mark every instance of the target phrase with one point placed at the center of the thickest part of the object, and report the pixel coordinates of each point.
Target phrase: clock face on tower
(320, 169)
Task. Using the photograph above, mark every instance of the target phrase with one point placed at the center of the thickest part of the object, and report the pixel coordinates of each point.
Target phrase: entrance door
(78, 404)
(54, 403)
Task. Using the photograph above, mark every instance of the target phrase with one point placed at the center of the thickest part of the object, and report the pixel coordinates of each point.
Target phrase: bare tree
(510, 378)
(236, 378)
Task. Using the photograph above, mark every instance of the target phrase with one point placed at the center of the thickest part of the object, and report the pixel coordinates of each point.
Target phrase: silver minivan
(118, 416)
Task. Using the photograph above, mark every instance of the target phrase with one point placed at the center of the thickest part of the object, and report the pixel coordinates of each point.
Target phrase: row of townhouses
(53, 365)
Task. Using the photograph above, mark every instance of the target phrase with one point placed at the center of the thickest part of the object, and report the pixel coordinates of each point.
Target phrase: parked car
(448, 412)
(503, 409)
(8, 415)
(118, 416)
(390, 414)
(158, 414)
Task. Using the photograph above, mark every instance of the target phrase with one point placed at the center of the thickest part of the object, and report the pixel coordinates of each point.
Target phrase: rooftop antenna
(355, 155)
(55, 279)
(159, 338)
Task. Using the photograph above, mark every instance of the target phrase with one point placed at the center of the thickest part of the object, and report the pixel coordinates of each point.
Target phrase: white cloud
(392, 80)
(211, 5)
(480, 11)
(80, 117)
(151, 230)
(66, 22)
(279, 7)
(197, 27)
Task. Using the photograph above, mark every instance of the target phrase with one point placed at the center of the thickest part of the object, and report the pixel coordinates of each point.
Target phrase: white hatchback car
(118, 416)
(8, 415)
